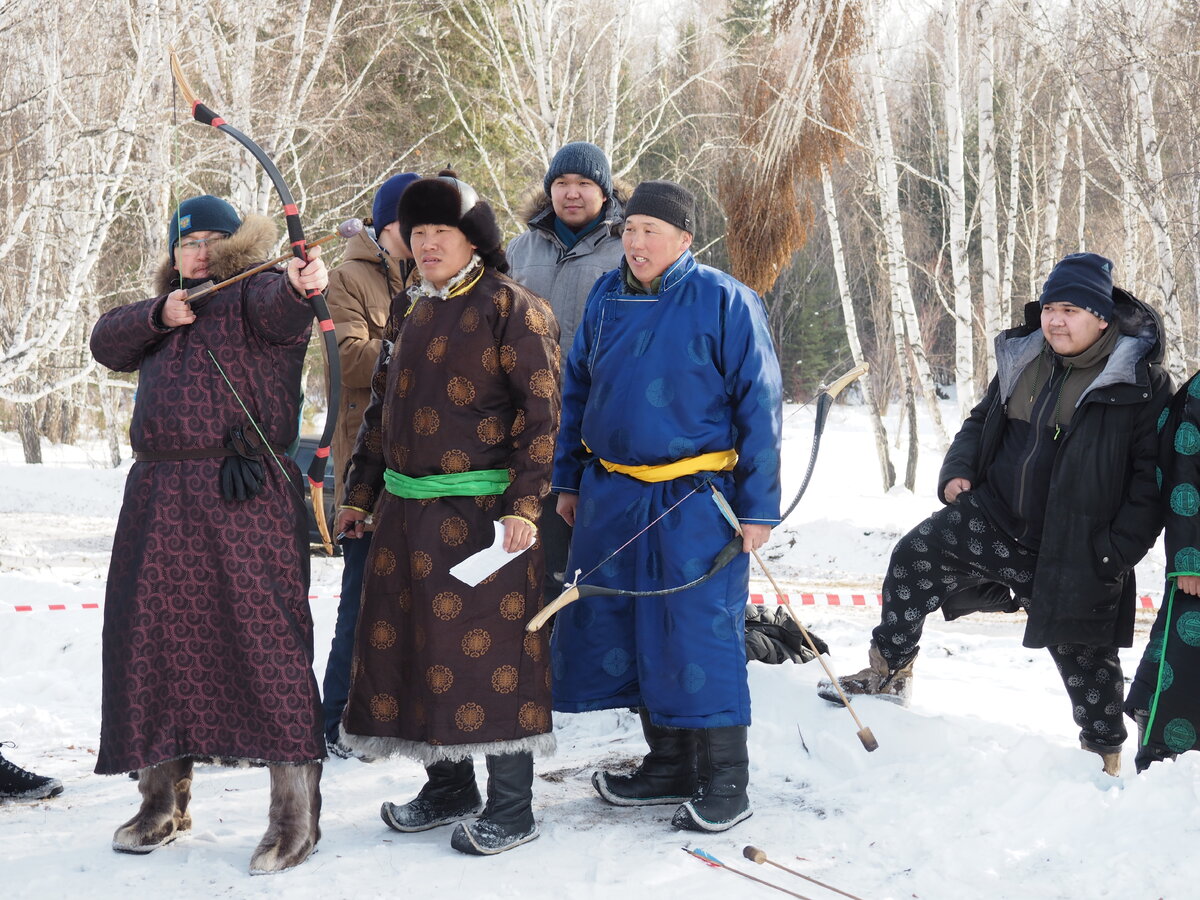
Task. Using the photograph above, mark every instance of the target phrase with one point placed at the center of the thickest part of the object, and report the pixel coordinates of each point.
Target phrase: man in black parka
(1051, 499)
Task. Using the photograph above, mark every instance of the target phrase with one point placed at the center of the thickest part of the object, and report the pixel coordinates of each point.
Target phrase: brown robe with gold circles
(442, 670)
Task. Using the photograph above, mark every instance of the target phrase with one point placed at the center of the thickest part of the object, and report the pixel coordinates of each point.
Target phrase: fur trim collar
(424, 288)
(250, 245)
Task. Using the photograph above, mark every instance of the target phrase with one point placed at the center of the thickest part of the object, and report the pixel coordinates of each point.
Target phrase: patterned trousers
(959, 547)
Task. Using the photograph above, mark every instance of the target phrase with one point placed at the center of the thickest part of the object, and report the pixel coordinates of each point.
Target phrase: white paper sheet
(479, 566)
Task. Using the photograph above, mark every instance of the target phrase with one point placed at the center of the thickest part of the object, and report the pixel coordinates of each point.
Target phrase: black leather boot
(720, 801)
(1147, 753)
(449, 794)
(667, 773)
(507, 820)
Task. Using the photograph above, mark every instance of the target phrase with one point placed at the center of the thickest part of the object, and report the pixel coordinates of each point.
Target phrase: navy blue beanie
(580, 158)
(1084, 280)
(203, 213)
(387, 199)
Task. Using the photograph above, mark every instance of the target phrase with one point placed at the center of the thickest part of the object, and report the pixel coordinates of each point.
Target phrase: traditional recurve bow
(316, 471)
(730, 551)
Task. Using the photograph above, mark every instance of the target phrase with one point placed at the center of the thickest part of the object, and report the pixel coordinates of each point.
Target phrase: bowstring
(651, 524)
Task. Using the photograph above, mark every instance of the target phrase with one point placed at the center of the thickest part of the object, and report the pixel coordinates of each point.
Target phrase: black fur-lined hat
(447, 200)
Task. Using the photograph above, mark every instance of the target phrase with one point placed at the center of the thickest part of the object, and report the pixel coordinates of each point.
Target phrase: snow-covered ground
(978, 790)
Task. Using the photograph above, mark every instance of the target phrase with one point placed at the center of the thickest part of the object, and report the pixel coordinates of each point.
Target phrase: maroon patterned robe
(442, 670)
(207, 648)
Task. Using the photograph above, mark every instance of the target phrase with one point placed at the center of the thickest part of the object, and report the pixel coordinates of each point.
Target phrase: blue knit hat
(580, 158)
(1084, 280)
(387, 198)
(203, 213)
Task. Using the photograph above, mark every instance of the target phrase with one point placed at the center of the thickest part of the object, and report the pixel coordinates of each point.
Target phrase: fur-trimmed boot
(449, 794)
(667, 773)
(877, 679)
(1147, 753)
(166, 791)
(720, 801)
(293, 829)
(507, 819)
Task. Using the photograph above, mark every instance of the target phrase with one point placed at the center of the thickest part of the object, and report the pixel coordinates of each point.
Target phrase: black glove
(772, 637)
(242, 476)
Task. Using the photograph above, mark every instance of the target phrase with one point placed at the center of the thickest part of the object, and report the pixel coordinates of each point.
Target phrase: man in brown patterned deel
(208, 636)
(459, 435)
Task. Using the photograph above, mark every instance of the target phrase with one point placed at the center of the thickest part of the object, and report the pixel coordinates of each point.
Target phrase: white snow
(978, 790)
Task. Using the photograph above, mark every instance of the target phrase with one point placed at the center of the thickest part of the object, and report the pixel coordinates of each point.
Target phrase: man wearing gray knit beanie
(672, 385)
(573, 236)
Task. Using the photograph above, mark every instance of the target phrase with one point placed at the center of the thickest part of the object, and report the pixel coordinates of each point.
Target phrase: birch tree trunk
(956, 202)
(1155, 193)
(1081, 211)
(1048, 253)
(887, 471)
(989, 228)
(906, 332)
(1016, 130)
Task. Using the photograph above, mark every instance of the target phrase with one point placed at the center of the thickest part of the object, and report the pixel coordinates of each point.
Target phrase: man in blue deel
(671, 385)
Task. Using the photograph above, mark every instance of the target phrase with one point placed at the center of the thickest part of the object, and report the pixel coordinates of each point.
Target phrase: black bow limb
(579, 591)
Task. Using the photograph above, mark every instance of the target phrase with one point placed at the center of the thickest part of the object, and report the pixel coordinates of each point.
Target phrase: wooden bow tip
(317, 492)
(180, 79)
(570, 595)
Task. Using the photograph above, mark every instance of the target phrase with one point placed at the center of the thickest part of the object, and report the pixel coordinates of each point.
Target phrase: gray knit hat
(665, 200)
(580, 158)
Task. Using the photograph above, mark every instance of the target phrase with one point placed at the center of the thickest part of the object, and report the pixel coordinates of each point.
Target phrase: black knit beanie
(445, 200)
(580, 158)
(665, 200)
(1084, 280)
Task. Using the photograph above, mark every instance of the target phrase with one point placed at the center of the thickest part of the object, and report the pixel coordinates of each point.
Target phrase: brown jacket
(360, 296)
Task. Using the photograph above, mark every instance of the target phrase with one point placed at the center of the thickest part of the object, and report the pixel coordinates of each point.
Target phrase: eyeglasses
(197, 245)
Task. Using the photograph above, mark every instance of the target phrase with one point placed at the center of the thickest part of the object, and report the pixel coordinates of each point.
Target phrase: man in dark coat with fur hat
(574, 236)
(208, 641)
(1051, 500)
(455, 448)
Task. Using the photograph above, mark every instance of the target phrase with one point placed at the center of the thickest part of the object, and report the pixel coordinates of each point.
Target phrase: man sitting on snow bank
(1051, 499)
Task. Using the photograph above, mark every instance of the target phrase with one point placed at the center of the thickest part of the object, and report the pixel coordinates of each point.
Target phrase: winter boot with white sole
(293, 829)
(667, 774)
(507, 819)
(449, 794)
(720, 801)
(878, 679)
(21, 784)
(166, 791)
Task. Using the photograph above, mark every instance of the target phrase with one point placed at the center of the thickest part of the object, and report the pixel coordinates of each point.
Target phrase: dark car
(305, 449)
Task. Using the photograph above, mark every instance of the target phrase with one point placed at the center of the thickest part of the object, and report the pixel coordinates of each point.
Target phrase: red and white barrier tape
(48, 607)
(1144, 602)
